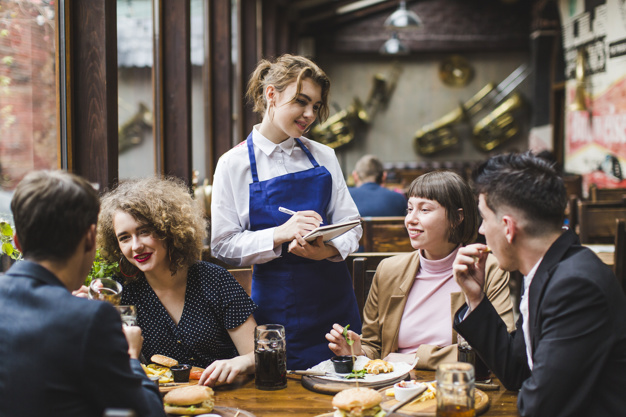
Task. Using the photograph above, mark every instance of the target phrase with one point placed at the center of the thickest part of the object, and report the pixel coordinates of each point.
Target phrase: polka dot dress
(214, 303)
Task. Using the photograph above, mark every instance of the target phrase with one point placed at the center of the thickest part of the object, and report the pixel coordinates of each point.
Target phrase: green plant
(6, 236)
(102, 268)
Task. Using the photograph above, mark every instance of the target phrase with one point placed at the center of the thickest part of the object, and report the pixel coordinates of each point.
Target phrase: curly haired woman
(193, 311)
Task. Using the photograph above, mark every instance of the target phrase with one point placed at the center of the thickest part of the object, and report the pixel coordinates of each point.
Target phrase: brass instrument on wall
(580, 99)
(489, 111)
(340, 129)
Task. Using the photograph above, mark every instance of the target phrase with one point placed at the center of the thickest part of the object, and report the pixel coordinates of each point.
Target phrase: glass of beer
(455, 390)
(270, 356)
(106, 289)
(128, 315)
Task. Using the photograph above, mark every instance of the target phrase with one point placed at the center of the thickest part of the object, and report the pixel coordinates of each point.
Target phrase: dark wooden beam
(221, 81)
(91, 83)
(249, 57)
(172, 88)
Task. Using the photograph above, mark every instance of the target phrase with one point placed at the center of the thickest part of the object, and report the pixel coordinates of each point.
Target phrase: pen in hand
(290, 212)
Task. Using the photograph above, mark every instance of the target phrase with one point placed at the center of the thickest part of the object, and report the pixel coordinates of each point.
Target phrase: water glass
(128, 314)
(105, 289)
(270, 356)
(455, 390)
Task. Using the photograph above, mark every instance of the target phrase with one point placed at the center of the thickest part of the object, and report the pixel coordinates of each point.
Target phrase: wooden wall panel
(173, 90)
(92, 90)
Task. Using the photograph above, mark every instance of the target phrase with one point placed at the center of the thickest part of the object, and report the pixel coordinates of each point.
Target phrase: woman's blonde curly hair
(166, 206)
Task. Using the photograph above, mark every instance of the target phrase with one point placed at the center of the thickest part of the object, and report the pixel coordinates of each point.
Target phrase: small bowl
(404, 389)
(180, 373)
(343, 364)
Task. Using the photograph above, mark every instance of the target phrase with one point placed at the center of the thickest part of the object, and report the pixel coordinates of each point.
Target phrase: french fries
(163, 372)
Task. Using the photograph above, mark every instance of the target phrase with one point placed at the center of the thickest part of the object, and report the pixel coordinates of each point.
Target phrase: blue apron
(304, 295)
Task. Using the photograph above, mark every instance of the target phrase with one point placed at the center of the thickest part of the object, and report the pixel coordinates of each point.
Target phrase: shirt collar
(529, 278)
(267, 146)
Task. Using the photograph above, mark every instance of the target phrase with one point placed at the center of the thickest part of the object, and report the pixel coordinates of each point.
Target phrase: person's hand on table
(469, 272)
(224, 371)
(82, 292)
(339, 345)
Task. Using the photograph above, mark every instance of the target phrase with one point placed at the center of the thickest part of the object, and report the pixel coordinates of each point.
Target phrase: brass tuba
(491, 99)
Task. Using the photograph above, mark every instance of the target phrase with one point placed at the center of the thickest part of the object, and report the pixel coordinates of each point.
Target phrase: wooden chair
(606, 194)
(573, 185)
(363, 269)
(619, 261)
(596, 220)
(385, 234)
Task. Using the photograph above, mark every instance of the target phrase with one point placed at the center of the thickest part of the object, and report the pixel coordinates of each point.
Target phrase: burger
(358, 402)
(164, 360)
(189, 401)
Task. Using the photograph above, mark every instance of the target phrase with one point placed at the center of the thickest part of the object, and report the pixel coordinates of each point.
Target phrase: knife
(316, 373)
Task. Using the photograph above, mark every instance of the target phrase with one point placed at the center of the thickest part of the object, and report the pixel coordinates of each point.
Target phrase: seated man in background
(370, 197)
(568, 354)
(63, 355)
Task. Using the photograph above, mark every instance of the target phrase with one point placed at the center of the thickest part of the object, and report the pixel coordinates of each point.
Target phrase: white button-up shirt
(523, 308)
(231, 238)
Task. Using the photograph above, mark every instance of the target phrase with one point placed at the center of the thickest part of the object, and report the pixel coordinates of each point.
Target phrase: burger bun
(357, 397)
(164, 360)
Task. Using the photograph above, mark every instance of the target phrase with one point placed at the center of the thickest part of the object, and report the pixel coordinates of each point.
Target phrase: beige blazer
(387, 297)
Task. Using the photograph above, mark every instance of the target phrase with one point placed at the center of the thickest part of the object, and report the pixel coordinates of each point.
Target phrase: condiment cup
(343, 364)
(405, 389)
(181, 372)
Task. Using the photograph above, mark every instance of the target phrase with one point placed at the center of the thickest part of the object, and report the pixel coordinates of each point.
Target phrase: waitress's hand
(299, 224)
(315, 250)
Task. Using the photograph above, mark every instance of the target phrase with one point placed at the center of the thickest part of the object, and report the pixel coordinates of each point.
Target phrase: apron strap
(308, 153)
(255, 175)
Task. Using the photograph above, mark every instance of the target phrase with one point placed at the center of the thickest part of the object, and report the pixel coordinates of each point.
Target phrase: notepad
(331, 231)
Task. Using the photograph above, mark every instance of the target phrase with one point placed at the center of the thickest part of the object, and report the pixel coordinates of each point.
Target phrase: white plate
(399, 369)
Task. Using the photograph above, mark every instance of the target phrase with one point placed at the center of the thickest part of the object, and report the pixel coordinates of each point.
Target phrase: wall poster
(594, 43)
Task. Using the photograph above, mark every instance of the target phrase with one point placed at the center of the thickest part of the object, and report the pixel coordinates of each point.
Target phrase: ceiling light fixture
(403, 18)
(394, 46)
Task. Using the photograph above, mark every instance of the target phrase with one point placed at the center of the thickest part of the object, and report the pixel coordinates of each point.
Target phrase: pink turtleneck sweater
(427, 317)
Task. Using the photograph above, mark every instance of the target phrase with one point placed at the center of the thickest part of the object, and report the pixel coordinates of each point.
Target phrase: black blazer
(62, 355)
(577, 321)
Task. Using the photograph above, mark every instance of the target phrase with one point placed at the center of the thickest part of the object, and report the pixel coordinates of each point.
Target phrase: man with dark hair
(369, 195)
(568, 354)
(63, 355)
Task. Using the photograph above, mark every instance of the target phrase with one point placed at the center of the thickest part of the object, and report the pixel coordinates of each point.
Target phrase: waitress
(305, 286)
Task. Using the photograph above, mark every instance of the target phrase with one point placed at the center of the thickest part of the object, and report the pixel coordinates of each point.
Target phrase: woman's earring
(122, 271)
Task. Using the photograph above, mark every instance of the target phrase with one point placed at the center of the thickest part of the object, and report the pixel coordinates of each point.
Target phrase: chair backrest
(573, 185)
(606, 194)
(385, 234)
(363, 269)
(619, 262)
(596, 220)
(244, 278)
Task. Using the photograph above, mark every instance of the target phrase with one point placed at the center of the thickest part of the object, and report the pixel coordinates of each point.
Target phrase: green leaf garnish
(345, 335)
(357, 374)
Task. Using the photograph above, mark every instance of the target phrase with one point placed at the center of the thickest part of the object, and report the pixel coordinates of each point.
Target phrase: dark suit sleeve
(111, 378)
(503, 352)
(574, 338)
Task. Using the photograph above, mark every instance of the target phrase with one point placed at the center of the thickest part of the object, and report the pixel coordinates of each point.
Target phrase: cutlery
(407, 401)
(316, 373)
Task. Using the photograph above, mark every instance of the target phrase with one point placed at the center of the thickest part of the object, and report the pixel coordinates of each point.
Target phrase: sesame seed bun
(180, 400)
(164, 360)
(357, 397)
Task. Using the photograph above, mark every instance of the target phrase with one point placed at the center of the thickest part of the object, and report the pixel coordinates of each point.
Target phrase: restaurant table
(297, 401)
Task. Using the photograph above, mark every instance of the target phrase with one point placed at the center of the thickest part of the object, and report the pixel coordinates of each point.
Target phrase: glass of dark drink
(455, 390)
(467, 354)
(270, 355)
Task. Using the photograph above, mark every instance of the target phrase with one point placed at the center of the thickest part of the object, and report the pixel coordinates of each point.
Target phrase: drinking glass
(106, 289)
(455, 390)
(270, 356)
(467, 354)
(128, 314)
